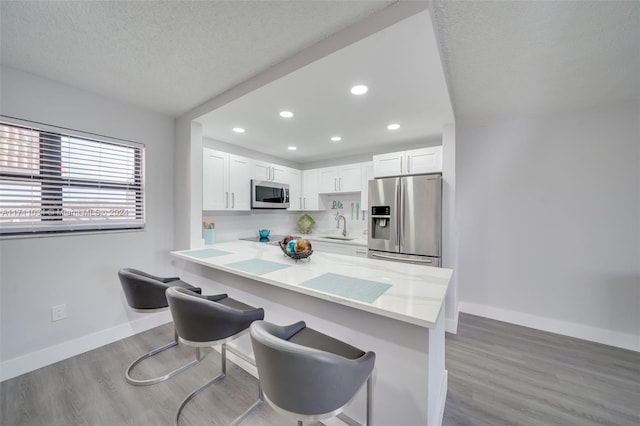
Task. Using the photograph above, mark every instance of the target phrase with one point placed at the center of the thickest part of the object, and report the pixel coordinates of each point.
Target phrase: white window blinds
(56, 180)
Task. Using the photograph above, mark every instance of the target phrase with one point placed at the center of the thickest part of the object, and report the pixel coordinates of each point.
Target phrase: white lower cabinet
(339, 248)
(225, 181)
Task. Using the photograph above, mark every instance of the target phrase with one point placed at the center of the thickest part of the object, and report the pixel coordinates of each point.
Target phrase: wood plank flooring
(503, 374)
(499, 374)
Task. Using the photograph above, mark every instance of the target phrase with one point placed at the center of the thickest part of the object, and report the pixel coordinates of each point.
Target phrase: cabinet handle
(226, 202)
(401, 158)
(271, 173)
(335, 184)
(233, 200)
(304, 203)
(408, 165)
(340, 184)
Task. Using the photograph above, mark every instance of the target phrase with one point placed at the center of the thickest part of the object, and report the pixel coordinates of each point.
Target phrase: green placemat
(257, 266)
(349, 287)
(204, 253)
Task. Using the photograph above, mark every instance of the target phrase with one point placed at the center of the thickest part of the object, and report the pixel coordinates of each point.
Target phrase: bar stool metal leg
(249, 410)
(222, 375)
(153, 381)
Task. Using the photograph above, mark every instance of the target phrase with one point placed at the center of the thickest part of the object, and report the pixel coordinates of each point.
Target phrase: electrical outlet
(58, 312)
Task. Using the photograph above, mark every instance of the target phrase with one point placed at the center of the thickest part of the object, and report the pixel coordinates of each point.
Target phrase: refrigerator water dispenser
(380, 218)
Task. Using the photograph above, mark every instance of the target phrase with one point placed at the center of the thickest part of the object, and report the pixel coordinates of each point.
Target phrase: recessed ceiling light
(394, 126)
(292, 148)
(286, 114)
(360, 89)
(336, 138)
(238, 129)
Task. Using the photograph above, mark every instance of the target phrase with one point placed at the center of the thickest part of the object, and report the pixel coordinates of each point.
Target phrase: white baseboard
(47, 356)
(451, 324)
(580, 331)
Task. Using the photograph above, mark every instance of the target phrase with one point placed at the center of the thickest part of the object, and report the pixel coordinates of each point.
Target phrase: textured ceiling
(526, 58)
(166, 56)
(502, 59)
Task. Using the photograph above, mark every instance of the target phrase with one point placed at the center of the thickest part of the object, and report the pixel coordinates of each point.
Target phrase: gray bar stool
(203, 321)
(308, 375)
(146, 293)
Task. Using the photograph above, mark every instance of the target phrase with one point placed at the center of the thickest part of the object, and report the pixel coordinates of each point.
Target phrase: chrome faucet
(344, 229)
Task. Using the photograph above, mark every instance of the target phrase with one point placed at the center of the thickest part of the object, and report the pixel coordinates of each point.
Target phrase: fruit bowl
(295, 255)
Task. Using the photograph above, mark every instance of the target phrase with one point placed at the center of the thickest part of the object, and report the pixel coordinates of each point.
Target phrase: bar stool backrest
(302, 379)
(142, 290)
(198, 319)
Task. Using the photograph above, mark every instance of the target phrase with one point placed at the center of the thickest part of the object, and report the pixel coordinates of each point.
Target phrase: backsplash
(231, 225)
(326, 221)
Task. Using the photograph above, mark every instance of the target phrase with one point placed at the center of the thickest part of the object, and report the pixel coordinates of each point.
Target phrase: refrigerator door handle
(400, 210)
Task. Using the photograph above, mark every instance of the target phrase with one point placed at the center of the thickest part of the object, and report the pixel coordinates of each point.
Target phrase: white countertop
(416, 294)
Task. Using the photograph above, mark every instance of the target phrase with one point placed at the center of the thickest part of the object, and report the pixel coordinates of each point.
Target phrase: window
(56, 180)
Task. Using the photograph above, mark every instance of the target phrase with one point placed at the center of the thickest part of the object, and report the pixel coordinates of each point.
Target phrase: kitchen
(359, 122)
(274, 135)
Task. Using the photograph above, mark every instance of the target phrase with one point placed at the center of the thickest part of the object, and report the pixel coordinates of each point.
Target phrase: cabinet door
(239, 182)
(310, 190)
(367, 175)
(294, 178)
(349, 177)
(424, 160)
(328, 180)
(261, 170)
(390, 164)
(215, 183)
(279, 173)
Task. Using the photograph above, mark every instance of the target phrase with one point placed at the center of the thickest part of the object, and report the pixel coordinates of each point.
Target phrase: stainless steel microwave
(269, 195)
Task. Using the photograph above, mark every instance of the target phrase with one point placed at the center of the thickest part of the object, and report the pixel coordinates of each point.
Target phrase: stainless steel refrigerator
(405, 219)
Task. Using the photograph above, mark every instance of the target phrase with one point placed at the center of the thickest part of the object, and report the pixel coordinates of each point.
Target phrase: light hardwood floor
(499, 374)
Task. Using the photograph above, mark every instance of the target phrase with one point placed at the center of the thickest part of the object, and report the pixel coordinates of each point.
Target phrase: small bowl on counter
(296, 248)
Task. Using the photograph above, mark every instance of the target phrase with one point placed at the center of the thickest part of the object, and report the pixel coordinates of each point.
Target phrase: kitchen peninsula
(394, 309)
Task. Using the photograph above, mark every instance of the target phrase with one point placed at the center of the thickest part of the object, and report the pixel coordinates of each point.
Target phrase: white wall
(549, 223)
(81, 271)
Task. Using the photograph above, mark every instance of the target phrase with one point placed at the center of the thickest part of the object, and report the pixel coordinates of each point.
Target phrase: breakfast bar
(393, 309)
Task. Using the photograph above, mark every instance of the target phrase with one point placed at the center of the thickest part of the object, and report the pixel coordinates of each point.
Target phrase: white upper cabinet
(215, 179)
(225, 181)
(367, 175)
(411, 162)
(310, 190)
(268, 172)
(239, 182)
(294, 178)
(344, 178)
